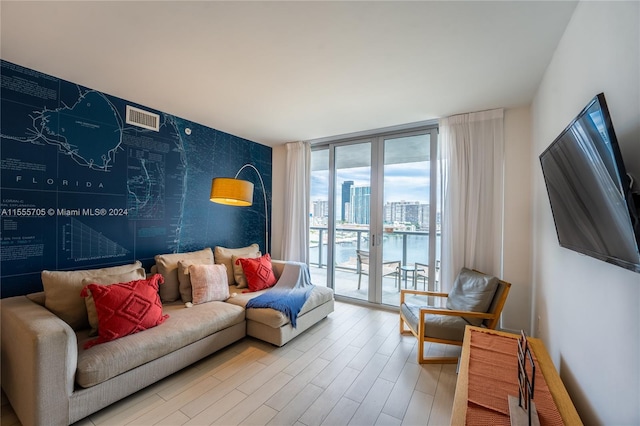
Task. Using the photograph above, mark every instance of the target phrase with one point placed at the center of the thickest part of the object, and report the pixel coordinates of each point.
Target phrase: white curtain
(295, 235)
(473, 189)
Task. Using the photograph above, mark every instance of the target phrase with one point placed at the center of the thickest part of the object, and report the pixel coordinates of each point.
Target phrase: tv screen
(589, 190)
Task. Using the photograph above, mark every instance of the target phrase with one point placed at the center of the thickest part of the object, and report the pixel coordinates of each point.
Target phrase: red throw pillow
(259, 272)
(125, 308)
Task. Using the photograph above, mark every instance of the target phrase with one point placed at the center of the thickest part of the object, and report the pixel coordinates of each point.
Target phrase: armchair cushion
(472, 291)
(447, 327)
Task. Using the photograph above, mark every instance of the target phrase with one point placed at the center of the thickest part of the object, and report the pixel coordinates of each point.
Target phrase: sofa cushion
(183, 327)
(238, 270)
(258, 272)
(472, 291)
(126, 308)
(184, 278)
(223, 256)
(319, 295)
(208, 283)
(62, 291)
(168, 266)
(38, 297)
(92, 315)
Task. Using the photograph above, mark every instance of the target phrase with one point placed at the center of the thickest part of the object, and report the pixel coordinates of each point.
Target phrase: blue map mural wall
(82, 188)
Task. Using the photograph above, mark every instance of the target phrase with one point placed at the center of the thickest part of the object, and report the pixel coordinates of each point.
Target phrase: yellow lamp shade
(233, 192)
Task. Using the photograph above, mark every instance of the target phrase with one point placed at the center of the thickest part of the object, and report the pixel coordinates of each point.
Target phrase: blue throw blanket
(289, 302)
(289, 294)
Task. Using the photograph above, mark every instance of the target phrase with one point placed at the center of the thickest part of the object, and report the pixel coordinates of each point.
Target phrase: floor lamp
(238, 192)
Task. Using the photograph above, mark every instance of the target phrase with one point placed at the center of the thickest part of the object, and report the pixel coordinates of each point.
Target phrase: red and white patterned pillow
(208, 283)
(125, 308)
(138, 274)
(259, 272)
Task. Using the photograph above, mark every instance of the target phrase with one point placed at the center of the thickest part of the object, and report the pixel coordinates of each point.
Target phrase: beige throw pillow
(92, 314)
(223, 256)
(185, 278)
(208, 283)
(168, 266)
(62, 291)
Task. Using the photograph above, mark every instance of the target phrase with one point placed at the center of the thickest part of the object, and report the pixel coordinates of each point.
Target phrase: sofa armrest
(278, 267)
(39, 359)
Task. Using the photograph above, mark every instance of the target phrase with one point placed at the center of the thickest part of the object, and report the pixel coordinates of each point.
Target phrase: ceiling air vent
(144, 119)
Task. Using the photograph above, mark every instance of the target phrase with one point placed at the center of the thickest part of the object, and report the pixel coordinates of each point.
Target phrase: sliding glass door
(407, 212)
(352, 207)
(374, 205)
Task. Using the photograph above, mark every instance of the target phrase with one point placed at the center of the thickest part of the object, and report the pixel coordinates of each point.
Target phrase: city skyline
(402, 182)
(408, 213)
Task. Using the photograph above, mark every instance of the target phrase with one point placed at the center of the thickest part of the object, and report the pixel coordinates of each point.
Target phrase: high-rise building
(320, 212)
(402, 211)
(424, 217)
(360, 204)
(408, 212)
(348, 214)
(346, 198)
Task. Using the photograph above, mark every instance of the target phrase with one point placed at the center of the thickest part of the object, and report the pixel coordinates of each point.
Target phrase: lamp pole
(264, 197)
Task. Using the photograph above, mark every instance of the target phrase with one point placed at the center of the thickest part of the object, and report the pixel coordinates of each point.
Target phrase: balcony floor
(346, 284)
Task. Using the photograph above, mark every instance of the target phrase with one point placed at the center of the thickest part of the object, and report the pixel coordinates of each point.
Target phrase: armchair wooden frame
(490, 320)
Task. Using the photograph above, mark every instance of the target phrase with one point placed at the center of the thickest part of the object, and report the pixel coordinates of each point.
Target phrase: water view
(417, 249)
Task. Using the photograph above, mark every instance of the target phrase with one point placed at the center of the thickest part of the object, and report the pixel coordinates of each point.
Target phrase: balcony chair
(475, 299)
(391, 267)
(422, 271)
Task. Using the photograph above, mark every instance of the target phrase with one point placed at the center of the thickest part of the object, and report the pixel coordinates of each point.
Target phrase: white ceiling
(275, 72)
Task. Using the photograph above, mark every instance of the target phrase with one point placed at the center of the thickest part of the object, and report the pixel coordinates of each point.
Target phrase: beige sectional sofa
(50, 379)
(273, 326)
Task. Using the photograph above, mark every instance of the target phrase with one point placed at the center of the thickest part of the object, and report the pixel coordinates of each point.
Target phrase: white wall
(278, 182)
(516, 264)
(588, 310)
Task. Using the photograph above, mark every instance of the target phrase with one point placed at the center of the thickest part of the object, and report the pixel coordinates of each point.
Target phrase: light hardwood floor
(351, 368)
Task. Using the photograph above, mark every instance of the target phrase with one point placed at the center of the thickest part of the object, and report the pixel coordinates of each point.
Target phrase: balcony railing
(408, 251)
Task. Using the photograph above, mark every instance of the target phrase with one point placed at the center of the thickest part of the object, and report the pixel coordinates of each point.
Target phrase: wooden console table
(565, 409)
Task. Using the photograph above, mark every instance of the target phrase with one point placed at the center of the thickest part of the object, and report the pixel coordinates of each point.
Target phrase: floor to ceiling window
(375, 215)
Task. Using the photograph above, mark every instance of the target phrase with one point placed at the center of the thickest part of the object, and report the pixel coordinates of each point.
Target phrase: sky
(402, 182)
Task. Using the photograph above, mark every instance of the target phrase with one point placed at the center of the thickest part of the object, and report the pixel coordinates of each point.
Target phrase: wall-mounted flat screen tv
(589, 190)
